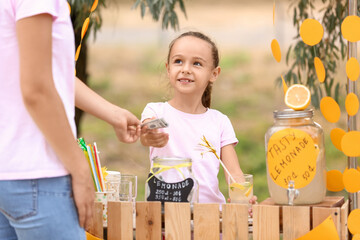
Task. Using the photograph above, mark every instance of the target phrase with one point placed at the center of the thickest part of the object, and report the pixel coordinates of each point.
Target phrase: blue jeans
(38, 209)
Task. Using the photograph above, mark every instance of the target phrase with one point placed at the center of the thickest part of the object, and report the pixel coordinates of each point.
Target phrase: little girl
(192, 67)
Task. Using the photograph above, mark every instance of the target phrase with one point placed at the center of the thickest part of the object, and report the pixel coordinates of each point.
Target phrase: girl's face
(191, 66)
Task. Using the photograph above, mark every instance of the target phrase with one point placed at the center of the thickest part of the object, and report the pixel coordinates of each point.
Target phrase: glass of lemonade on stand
(241, 188)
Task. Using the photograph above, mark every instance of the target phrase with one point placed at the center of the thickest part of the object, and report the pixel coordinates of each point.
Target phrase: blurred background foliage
(331, 49)
(133, 75)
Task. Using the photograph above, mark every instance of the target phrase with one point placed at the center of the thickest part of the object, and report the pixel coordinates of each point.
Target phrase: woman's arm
(45, 106)
(125, 124)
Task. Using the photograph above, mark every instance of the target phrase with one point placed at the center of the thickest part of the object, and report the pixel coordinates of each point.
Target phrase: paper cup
(104, 197)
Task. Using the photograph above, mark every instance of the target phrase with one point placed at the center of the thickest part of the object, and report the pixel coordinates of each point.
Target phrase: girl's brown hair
(206, 97)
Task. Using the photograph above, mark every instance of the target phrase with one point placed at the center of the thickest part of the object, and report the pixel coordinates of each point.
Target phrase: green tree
(331, 49)
(80, 9)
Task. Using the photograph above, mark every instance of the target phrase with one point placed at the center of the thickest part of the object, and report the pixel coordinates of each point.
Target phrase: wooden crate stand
(206, 221)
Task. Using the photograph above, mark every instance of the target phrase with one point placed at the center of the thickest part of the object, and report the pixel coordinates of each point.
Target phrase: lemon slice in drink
(236, 185)
(298, 97)
(247, 193)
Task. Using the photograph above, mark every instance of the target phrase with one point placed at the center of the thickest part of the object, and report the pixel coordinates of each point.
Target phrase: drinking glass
(125, 191)
(133, 179)
(241, 188)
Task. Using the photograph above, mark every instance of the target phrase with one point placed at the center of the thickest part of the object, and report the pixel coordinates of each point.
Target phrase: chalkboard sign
(169, 192)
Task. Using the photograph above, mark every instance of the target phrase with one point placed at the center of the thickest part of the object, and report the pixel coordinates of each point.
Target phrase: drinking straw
(96, 167)
(82, 145)
(101, 177)
(97, 185)
(212, 149)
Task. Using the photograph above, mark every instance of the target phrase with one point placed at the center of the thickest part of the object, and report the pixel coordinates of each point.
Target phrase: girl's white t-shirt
(24, 152)
(185, 133)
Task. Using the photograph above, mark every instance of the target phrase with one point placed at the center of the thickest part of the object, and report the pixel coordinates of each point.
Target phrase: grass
(244, 92)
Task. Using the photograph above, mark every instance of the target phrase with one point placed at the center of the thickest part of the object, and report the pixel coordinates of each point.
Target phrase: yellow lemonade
(240, 192)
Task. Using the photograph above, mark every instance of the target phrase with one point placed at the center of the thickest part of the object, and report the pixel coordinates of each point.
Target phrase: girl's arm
(125, 124)
(230, 159)
(46, 108)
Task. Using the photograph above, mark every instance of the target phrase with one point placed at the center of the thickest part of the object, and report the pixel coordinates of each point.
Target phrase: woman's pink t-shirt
(185, 134)
(24, 152)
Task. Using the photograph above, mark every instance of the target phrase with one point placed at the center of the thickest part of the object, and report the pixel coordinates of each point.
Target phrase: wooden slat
(235, 221)
(329, 201)
(206, 221)
(120, 219)
(96, 228)
(344, 211)
(177, 221)
(148, 220)
(296, 222)
(266, 222)
(321, 213)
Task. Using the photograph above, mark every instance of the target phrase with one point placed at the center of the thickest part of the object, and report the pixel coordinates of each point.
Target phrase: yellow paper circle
(354, 221)
(351, 179)
(77, 52)
(275, 49)
(69, 7)
(326, 230)
(349, 28)
(356, 237)
(350, 144)
(311, 31)
(85, 27)
(94, 6)
(291, 155)
(352, 104)
(330, 109)
(352, 69)
(320, 70)
(274, 13)
(334, 181)
(285, 87)
(336, 136)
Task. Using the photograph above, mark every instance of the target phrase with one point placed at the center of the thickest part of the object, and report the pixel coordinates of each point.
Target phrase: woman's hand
(126, 126)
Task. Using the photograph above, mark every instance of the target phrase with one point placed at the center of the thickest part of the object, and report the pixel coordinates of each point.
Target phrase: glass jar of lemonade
(295, 158)
(171, 180)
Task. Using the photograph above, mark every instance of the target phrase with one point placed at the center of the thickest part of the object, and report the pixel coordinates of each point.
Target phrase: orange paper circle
(334, 181)
(350, 144)
(352, 69)
(275, 48)
(351, 179)
(352, 104)
(291, 155)
(330, 109)
(336, 136)
(349, 28)
(320, 70)
(354, 221)
(311, 32)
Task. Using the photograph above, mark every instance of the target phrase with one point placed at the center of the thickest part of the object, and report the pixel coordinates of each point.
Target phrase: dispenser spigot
(292, 193)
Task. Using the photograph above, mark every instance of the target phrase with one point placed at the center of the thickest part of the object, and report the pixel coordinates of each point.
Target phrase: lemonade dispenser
(295, 158)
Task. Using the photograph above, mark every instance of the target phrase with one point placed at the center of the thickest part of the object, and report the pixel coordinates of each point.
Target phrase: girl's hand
(251, 201)
(153, 137)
